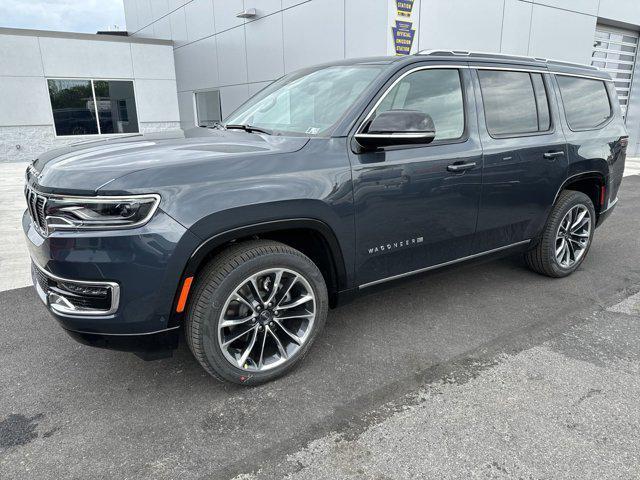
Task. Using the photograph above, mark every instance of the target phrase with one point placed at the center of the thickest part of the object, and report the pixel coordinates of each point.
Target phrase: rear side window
(515, 103)
(586, 102)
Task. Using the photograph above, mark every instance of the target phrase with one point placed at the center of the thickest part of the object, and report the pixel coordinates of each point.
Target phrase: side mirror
(398, 127)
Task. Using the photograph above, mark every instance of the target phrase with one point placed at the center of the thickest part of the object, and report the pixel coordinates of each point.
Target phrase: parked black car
(330, 181)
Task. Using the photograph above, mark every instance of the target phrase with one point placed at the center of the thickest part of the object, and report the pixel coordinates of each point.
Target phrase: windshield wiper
(248, 128)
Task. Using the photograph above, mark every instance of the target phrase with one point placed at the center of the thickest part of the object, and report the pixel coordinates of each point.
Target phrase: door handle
(461, 167)
(552, 155)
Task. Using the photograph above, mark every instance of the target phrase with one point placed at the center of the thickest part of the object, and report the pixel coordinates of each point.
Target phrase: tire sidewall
(577, 198)
(209, 328)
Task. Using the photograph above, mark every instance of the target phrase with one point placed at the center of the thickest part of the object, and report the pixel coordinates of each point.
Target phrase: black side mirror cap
(398, 127)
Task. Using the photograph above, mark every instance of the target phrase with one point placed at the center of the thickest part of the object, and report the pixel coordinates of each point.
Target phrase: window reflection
(586, 102)
(73, 107)
(116, 106)
(437, 93)
(77, 111)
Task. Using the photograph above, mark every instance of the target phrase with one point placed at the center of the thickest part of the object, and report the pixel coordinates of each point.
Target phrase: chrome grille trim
(36, 204)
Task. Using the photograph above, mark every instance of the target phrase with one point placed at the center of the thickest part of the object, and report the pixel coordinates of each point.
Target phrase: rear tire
(566, 238)
(255, 311)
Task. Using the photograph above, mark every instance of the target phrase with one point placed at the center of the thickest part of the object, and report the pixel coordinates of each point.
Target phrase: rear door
(525, 155)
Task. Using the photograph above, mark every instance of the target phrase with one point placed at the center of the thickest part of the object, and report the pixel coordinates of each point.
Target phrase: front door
(525, 159)
(417, 206)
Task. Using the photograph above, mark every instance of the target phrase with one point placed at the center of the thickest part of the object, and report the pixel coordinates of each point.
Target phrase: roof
(82, 36)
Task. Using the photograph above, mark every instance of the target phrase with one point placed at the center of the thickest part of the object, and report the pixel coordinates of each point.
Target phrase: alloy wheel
(572, 238)
(267, 319)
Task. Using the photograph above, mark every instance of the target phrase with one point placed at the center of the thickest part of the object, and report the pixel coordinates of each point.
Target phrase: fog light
(84, 290)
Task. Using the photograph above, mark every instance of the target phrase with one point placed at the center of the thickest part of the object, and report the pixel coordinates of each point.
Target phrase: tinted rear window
(586, 102)
(514, 102)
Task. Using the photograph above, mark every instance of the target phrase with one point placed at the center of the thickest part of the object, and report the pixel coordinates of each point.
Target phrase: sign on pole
(403, 19)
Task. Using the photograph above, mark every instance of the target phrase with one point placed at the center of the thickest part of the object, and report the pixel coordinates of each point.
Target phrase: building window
(515, 103)
(208, 108)
(615, 51)
(93, 107)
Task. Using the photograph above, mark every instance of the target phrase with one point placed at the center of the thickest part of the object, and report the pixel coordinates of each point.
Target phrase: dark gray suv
(329, 182)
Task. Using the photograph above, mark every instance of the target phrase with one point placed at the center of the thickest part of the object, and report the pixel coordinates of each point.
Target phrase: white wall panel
(461, 25)
(233, 97)
(24, 101)
(19, 56)
(174, 4)
(199, 16)
(264, 48)
(256, 87)
(185, 107)
(561, 35)
(516, 27)
(162, 28)
(156, 100)
(64, 57)
(178, 27)
(159, 8)
(313, 33)
(145, 16)
(627, 11)
(146, 32)
(291, 3)
(197, 65)
(366, 29)
(589, 7)
(263, 7)
(224, 13)
(232, 60)
(152, 61)
(131, 15)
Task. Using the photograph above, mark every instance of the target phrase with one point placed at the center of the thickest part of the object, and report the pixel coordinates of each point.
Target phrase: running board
(445, 264)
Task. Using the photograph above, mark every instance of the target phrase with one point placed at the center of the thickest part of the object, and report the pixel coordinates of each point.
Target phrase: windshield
(306, 103)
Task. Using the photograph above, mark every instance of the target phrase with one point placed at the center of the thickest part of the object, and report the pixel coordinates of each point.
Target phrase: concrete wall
(214, 48)
(28, 58)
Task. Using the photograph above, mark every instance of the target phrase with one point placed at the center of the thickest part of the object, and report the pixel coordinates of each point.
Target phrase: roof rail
(468, 53)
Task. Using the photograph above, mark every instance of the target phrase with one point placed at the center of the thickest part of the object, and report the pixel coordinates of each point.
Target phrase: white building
(226, 50)
(215, 49)
(60, 88)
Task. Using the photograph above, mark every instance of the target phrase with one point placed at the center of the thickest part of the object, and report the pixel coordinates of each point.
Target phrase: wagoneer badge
(388, 247)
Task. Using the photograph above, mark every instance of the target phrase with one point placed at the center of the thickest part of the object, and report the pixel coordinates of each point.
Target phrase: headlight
(99, 213)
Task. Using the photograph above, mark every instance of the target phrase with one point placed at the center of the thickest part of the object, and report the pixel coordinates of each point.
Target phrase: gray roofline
(82, 36)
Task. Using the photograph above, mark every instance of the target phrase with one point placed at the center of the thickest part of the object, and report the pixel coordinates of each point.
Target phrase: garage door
(614, 51)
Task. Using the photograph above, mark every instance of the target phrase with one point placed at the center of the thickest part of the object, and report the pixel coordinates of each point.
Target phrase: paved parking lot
(482, 371)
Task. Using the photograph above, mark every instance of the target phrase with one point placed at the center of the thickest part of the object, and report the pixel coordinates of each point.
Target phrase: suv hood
(89, 166)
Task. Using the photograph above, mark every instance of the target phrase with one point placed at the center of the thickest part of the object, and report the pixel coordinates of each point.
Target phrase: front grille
(36, 203)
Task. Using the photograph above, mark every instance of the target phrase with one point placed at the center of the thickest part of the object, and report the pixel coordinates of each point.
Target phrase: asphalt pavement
(486, 370)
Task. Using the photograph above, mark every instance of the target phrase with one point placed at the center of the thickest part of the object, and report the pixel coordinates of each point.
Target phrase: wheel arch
(589, 183)
(312, 237)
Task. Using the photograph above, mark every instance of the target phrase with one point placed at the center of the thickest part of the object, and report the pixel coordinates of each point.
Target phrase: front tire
(255, 312)
(566, 237)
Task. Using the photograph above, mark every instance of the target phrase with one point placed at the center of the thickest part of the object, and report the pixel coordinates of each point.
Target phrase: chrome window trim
(359, 130)
(441, 66)
(113, 286)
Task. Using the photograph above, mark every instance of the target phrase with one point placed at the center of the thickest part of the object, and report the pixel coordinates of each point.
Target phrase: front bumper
(112, 284)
